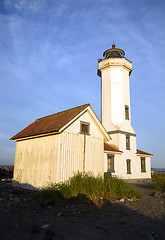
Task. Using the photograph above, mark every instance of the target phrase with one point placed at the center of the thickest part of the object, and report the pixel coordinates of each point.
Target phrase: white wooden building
(54, 147)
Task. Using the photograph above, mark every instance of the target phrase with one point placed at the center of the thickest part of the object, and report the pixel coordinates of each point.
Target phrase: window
(84, 127)
(126, 112)
(110, 163)
(128, 166)
(127, 142)
(143, 164)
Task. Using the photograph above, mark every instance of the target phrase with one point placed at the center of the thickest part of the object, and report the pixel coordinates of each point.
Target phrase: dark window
(143, 164)
(84, 128)
(110, 163)
(127, 142)
(128, 166)
(126, 112)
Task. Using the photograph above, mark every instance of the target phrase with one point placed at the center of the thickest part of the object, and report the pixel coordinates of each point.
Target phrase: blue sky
(48, 63)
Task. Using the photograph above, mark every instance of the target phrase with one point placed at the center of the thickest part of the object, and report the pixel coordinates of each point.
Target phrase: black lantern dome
(114, 53)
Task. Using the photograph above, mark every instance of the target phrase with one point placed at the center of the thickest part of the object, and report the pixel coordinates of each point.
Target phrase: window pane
(128, 166)
(84, 128)
(143, 164)
(127, 112)
(110, 163)
(128, 142)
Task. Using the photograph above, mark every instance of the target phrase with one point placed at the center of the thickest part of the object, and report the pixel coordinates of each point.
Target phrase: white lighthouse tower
(126, 161)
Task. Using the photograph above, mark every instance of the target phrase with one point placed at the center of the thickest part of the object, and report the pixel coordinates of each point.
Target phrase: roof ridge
(88, 104)
(50, 123)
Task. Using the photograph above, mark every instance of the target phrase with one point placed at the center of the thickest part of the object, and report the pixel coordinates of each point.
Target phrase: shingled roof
(50, 124)
(111, 148)
(143, 153)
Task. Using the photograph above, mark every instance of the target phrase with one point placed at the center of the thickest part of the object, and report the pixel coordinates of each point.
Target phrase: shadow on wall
(23, 186)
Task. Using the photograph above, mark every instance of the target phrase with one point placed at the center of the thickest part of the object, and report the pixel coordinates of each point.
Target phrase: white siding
(37, 162)
(73, 148)
(55, 158)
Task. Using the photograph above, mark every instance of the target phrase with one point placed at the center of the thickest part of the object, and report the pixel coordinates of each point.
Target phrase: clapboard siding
(55, 158)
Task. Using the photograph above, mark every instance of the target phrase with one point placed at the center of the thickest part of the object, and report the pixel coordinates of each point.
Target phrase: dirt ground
(21, 217)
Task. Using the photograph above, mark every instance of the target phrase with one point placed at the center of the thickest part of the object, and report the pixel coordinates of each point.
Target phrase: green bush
(159, 180)
(91, 187)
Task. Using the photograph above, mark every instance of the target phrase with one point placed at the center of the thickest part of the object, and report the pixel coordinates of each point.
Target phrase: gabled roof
(143, 153)
(111, 148)
(50, 124)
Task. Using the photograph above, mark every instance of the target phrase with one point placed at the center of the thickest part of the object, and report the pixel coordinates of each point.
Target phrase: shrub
(91, 187)
(159, 180)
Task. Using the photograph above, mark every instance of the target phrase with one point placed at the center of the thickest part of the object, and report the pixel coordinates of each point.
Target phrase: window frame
(128, 163)
(113, 163)
(127, 117)
(143, 158)
(128, 144)
(88, 127)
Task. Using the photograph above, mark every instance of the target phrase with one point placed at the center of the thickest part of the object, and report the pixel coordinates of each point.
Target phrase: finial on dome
(113, 52)
(113, 45)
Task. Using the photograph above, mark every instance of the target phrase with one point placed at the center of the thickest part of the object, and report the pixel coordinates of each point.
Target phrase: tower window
(127, 142)
(143, 164)
(128, 166)
(110, 163)
(84, 127)
(126, 112)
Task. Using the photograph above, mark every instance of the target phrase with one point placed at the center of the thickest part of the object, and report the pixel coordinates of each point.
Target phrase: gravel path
(22, 218)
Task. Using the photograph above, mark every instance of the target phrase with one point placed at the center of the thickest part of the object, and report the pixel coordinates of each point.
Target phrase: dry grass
(159, 180)
(90, 187)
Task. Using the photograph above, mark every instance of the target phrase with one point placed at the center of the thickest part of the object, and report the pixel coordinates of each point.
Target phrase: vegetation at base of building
(90, 187)
(159, 180)
(7, 172)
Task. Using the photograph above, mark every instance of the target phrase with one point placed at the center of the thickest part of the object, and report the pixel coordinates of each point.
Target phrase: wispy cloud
(49, 52)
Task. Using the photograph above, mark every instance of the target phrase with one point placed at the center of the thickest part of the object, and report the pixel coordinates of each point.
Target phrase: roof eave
(35, 136)
(143, 154)
(114, 152)
(106, 135)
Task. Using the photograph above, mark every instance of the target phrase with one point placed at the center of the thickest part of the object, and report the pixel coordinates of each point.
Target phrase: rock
(49, 234)
(45, 226)
(130, 200)
(157, 194)
(6, 173)
(152, 194)
(70, 206)
(162, 194)
(49, 207)
(46, 203)
(3, 236)
(35, 229)
(148, 236)
(121, 200)
(16, 200)
(59, 214)
(10, 168)
(102, 228)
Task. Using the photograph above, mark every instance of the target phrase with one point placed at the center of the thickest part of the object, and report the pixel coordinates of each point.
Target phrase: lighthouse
(114, 71)
(74, 140)
(122, 158)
